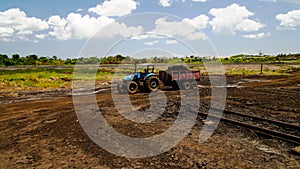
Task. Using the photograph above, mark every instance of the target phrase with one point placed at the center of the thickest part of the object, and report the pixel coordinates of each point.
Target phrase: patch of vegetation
(281, 58)
(35, 78)
(278, 71)
(46, 78)
(246, 72)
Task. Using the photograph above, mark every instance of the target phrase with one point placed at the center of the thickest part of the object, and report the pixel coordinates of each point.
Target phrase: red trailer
(180, 77)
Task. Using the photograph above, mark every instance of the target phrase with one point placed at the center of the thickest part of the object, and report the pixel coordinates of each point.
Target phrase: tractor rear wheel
(152, 83)
(132, 87)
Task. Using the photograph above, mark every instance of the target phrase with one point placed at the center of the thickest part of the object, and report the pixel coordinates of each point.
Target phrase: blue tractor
(140, 81)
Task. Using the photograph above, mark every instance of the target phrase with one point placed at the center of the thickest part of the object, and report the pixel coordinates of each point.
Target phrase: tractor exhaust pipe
(135, 67)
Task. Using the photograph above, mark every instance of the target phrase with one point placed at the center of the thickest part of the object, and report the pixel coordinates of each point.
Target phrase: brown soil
(41, 130)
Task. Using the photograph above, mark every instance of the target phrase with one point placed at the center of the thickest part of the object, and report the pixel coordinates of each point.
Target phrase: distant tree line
(261, 59)
(33, 59)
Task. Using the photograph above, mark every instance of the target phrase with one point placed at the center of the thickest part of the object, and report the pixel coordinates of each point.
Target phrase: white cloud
(165, 3)
(76, 26)
(292, 1)
(5, 39)
(196, 0)
(233, 18)
(269, 0)
(16, 24)
(257, 36)
(114, 7)
(200, 22)
(147, 36)
(119, 29)
(175, 28)
(85, 26)
(199, 0)
(289, 21)
(151, 43)
(171, 42)
(41, 36)
(6, 31)
(79, 10)
(57, 21)
(248, 25)
(59, 27)
(140, 37)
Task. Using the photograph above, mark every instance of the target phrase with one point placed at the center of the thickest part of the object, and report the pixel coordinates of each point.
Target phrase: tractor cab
(150, 69)
(140, 76)
(147, 72)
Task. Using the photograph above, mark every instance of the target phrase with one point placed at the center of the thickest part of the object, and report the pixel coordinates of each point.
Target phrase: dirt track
(42, 130)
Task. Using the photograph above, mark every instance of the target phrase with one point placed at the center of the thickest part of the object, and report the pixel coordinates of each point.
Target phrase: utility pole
(261, 65)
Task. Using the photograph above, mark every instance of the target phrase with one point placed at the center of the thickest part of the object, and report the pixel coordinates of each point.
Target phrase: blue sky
(63, 28)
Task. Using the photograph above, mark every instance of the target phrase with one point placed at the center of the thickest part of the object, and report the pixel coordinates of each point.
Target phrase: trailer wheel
(194, 85)
(152, 83)
(121, 88)
(186, 85)
(132, 87)
(175, 85)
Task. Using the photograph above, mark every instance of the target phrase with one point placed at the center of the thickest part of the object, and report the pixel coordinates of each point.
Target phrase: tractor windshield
(150, 68)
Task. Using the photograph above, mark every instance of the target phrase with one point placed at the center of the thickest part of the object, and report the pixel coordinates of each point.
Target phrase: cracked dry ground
(45, 132)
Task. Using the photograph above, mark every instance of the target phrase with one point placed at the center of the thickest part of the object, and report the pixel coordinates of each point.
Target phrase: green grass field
(44, 78)
(48, 79)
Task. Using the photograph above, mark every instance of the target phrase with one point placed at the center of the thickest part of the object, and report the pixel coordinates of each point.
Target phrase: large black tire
(186, 85)
(194, 85)
(121, 88)
(175, 85)
(152, 83)
(132, 87)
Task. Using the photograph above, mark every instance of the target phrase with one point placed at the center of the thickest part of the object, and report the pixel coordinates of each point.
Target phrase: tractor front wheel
(132, 87)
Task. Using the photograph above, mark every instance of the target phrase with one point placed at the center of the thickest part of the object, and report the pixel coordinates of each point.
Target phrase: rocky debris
(66, 79)
(50, 121)
(24, 160)
(296, 150)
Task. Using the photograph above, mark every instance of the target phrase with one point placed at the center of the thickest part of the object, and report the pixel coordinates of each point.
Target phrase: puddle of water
(254, 80)
(22, 99)
(228, 86)
(86, 92)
